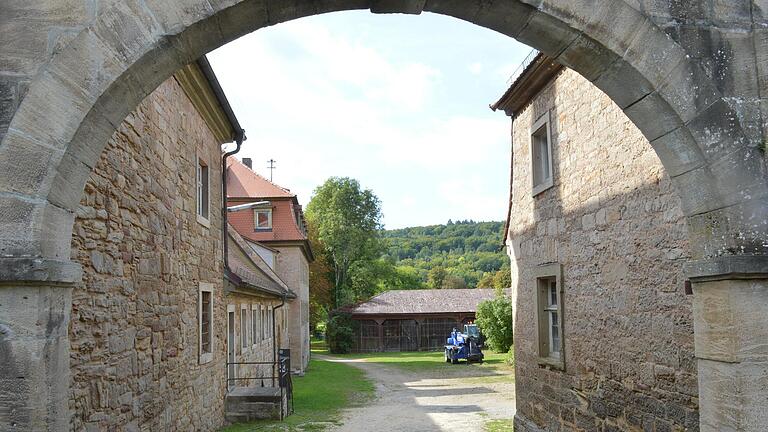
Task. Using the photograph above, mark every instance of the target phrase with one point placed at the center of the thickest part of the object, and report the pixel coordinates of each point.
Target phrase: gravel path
(409, 401)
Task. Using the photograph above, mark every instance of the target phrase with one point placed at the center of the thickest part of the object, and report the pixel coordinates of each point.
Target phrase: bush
(510, 359)
(339, 333)
(494, 318)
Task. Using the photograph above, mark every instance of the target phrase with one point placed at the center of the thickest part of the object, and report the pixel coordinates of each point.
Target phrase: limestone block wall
(614, 223)
(293, 269)
(134, 327)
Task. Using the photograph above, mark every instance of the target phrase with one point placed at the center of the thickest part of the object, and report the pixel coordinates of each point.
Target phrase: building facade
(149, 328)
(272, 222)
(412, 320)
(597, 241)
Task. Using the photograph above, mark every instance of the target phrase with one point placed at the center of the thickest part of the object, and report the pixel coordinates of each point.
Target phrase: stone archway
(83, 87)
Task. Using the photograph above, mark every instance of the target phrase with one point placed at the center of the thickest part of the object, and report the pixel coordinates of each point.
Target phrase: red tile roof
(284, 225)
(243, 186)
(243, 182)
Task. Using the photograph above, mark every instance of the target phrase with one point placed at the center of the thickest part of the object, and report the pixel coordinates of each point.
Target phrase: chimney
(248, 162)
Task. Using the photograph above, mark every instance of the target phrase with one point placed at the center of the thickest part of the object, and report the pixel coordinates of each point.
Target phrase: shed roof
(422, 301)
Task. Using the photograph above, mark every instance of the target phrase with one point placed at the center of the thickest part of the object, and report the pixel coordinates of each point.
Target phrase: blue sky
(398, 102)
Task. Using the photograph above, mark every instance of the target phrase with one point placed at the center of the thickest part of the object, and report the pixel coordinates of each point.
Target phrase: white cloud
(475, 68)
(324, 103)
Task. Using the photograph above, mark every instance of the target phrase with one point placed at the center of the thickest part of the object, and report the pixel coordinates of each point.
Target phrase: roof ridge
(251, 172)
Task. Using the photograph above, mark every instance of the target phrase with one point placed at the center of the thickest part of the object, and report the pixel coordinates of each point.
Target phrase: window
(255, 323)
(541, 155)
(269, 323)
(202, 191)
(549, 313)
(205, 322)
(243, 328)
(263, 219)
(263, 322)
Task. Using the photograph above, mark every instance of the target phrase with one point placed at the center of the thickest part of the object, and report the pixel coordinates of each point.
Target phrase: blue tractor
(464, 345)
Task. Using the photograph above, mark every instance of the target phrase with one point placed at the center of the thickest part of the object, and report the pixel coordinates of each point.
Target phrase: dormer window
(263, 219)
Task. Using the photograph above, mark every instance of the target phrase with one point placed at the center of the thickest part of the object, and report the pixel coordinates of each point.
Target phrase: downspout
(239, 138)
(274, 335)
(511, 181)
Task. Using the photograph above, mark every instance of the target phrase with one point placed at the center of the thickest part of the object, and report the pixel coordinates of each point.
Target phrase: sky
(398, 102)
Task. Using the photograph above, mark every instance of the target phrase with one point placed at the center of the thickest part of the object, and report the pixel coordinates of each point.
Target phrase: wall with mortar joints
(613, 220)
(134, 327)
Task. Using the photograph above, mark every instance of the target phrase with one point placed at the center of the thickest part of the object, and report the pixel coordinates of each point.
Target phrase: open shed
(412, 320)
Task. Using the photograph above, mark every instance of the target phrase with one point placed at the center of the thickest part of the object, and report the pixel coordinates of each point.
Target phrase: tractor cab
(464, 345)
(472, 331)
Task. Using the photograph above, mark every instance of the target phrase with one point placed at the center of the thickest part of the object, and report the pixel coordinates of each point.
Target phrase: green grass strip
(318, 397)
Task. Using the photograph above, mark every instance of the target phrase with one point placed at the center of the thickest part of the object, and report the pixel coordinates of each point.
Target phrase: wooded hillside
(464, 250)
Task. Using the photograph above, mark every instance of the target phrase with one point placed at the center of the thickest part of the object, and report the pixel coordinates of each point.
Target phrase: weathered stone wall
(134, 327)
(614, 223)
(293, 268)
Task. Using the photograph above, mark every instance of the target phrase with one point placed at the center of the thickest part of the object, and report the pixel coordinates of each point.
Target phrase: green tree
(347, 219)
(494, 318)
(487, 281)
(503, 278)
(320, 281)
(340, 333)
(454, 282)
(436, 277)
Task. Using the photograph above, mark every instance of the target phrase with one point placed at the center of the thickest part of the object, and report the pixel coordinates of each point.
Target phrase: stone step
(245, 407)
(255, 394)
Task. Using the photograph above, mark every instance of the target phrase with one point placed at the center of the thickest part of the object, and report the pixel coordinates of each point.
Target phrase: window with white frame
(263, 322)
(541, 155)
(262, 219)
(549, 313)
(243, 327)
(205, 322)
(255, 323)
(203, 196)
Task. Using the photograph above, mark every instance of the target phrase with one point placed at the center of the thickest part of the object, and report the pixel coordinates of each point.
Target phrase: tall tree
(320, 280)
(347, 219)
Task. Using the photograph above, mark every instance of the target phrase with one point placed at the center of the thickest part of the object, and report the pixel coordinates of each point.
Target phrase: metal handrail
(521, 67)
(283, 378)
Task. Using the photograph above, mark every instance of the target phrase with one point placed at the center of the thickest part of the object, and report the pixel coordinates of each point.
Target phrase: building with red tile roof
(271, 220)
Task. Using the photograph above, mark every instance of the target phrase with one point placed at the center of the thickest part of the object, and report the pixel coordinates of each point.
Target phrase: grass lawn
(494, 363)
(318, 398)
(499, 425)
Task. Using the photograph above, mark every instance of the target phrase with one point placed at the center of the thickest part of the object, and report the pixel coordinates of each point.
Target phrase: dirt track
(411, 401)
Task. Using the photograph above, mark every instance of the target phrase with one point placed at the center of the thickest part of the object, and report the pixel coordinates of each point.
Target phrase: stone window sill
(206, 358)
(203, 221)
(547, 184)
(551, 362)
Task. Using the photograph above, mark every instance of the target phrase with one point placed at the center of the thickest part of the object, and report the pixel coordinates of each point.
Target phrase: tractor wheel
(454, 360)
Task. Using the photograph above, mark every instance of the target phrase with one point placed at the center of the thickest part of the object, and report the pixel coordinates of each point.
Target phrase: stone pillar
(730, 310)
(35, 305)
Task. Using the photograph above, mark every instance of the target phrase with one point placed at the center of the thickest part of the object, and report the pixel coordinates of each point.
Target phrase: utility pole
(271, 167)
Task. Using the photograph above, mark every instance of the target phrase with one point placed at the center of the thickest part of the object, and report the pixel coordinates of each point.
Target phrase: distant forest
(461, 254)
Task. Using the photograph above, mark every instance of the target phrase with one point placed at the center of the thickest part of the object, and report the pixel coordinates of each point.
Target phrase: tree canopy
(455, 255)
(347, 220)
(356, 259)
